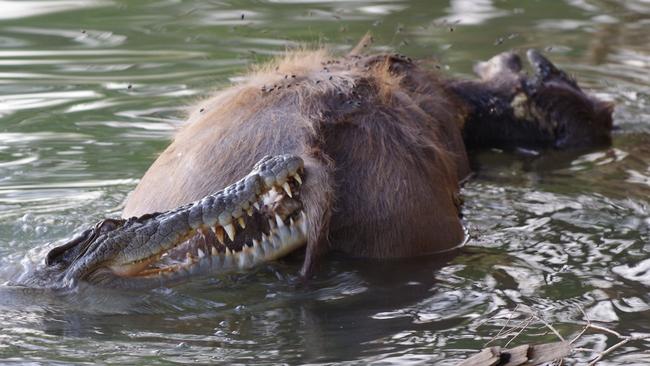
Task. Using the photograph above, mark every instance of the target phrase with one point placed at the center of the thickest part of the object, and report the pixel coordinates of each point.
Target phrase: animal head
(548, 106)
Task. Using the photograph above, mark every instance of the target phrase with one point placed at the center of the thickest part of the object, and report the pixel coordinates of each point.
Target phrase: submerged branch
(536, 354)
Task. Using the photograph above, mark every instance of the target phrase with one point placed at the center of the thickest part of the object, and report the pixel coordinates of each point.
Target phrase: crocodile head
(257, 219)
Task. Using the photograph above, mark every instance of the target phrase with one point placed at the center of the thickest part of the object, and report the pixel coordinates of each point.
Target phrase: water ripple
(91, 93)
(23, 9)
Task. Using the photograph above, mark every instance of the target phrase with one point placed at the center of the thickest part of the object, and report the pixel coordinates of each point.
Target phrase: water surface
(91, 91)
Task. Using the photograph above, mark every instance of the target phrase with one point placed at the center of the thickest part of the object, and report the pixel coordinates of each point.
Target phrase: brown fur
(380, 138)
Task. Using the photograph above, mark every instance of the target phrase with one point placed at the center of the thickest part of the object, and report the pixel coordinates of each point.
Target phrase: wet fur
(380, 138)
(509, 109)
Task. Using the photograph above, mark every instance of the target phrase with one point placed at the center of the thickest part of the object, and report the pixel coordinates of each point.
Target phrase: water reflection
(472, 12)
(17, 102)
(89, 38)
(23, 9)
(89, 94)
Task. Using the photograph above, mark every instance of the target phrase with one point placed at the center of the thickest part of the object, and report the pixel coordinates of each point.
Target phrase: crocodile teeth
(303, 222)
(297, 178)
(287, 189)
(218, 231)
(245, 258)
(279, 221)
(201, 254)
(230, 230)
(241, 222)
(258, 249)
(256, 205)
(214, 251)
(284, 234)
(266, 243)
(276, 241)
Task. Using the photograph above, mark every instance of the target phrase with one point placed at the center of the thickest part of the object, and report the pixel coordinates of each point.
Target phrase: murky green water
(91, 91)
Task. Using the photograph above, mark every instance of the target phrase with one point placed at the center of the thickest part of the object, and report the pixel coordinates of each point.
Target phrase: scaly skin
(119, 253)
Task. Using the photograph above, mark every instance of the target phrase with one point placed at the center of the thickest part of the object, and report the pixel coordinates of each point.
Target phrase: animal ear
(546, 71)
(504, 64)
